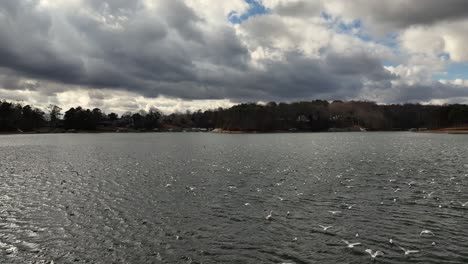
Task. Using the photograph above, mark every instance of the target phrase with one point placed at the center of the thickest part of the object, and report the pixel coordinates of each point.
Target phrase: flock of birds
(375, 254)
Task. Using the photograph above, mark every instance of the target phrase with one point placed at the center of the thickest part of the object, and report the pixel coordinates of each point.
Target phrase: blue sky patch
(354, 27)
(255, 8)
(454, 71)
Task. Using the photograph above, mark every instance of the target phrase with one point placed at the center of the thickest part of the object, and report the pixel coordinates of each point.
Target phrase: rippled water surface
(204, 198)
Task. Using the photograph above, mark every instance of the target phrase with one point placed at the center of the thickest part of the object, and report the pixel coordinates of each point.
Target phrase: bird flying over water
(268, 217)
(374, 254)
(350, 245)
(463, 204)
(411, 183)
(325, 228)
(407, 252)
(334, 212)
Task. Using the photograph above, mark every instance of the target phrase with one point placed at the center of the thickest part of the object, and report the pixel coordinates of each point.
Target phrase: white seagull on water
(427, 232)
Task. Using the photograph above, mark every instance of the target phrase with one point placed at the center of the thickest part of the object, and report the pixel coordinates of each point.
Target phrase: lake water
(204, 198)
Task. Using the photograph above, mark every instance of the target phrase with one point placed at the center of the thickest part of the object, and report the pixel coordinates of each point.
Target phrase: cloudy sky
(124, 55)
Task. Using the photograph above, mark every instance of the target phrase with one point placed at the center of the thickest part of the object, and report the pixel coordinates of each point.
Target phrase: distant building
(303, 119)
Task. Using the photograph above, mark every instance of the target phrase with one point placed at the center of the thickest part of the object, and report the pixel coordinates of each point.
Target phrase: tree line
(318, 115)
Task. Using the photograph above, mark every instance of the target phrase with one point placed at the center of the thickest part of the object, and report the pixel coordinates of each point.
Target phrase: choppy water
(204, 198)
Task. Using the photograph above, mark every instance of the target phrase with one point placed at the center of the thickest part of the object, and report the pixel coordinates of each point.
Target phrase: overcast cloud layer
(124, 55)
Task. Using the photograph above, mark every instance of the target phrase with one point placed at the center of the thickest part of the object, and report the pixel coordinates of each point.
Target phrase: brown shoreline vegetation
(454, 130)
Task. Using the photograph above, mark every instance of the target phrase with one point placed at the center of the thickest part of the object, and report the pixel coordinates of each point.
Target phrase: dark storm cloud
(25, 44)
(182, 18)
(405, 13)
(413, 12)
(395, 13)
(299, 77)
(359, 64)
(113, 57)
(427, 92)
(168, 51)
(9, 81)
(151, 53)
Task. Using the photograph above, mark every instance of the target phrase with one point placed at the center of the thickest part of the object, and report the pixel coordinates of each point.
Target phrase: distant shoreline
(458, 131)
(231, 132)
